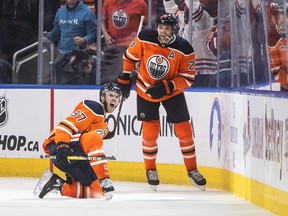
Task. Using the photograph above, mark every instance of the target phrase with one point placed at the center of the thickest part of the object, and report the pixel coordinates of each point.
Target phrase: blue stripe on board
(266, 93)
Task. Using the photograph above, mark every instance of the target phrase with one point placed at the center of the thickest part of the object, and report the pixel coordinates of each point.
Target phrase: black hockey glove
(124, 81)
(160, 89)
(62, 151)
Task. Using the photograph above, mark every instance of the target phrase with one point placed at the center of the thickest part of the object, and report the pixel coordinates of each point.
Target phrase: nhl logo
(3, 111)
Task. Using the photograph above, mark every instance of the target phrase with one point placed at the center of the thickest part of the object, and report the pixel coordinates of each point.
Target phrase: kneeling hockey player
(81, 134)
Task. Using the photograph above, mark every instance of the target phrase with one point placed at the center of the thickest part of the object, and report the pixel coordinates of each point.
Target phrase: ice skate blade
(108, 195)
(201, 187)
(42, 181)
(153, 187)
(198, 186)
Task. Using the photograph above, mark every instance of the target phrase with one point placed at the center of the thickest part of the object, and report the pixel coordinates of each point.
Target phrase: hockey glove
(124, 81)
(160, 89)
(62, 151)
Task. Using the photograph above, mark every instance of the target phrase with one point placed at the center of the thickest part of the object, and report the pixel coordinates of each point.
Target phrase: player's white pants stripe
(98, 162)
(190, 156)
(188, 147)
(96, 152)
(149, 157)
(78, 189)
(149, 148)
(88, 192)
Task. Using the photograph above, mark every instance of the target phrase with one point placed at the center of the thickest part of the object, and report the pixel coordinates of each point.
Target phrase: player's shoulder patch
(182, 45)
(94, 106)
(148, 34)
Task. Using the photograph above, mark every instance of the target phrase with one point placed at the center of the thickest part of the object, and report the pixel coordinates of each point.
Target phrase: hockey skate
(42, 181)
(197, 179)
(47, 183)
(107, 188)
(152, 179)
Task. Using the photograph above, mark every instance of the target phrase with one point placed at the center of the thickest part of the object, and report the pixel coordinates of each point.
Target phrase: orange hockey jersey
(175, 62)
(279, 62)
(87, 116)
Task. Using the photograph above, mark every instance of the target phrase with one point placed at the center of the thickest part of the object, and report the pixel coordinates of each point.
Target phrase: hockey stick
(118, 117)
(136, 66)
(116, 151)
(79, 157)
(140, 24)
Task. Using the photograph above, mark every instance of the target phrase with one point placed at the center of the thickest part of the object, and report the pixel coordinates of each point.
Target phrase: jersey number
(191, 65)
(81, 115)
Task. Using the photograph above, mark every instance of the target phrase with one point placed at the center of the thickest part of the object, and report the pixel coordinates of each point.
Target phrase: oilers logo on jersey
(157, 67)
(120, 19)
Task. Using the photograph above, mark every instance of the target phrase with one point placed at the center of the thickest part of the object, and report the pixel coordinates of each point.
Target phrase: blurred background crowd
(237, 43)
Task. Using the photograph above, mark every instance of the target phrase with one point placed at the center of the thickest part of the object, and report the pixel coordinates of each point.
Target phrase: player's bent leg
(52, 182)
(150, 132)
(92, 143)
(75, 190)
(96, 190)
(185, 136)
(78, 190)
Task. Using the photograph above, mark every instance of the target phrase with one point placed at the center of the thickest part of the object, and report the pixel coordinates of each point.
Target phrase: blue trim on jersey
(151, 35)
(94, 106)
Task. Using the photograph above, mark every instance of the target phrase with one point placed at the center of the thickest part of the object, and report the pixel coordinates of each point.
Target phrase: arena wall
(241, 139)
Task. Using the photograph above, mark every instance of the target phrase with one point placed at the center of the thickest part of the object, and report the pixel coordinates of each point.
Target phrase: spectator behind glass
(277, 43)
(74, 28)
(157, 8)
(90, 4)
(18, 29)
(201, 27)
(120, 24)
(233, 63)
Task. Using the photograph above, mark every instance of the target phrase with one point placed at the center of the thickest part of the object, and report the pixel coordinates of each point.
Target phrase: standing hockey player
(82, 134)
(167, 67)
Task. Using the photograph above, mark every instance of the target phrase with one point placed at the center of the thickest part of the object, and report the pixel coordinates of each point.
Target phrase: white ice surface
(135, 199)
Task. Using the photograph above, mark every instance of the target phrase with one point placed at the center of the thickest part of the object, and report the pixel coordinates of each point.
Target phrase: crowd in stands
(238, 45)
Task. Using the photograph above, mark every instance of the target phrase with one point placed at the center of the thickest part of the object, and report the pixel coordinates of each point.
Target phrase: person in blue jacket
(74, 28)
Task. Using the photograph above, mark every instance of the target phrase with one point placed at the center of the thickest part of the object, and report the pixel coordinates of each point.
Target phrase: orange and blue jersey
(174, 62)
(87, 116)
